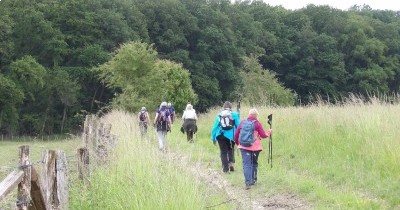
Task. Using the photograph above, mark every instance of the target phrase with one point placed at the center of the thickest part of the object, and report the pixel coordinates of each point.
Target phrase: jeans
(250, 166)
(227, 151)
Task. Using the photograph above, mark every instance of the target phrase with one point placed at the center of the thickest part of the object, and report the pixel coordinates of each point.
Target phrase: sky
(339, 4)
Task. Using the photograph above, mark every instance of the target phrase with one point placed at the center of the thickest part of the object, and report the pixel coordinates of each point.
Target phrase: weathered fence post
(24, 187)
(48, 178)
(54, 180)
(62, 180)
(36, 192)
(83, 163)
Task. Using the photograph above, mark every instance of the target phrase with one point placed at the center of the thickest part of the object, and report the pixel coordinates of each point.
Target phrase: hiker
(223, 132)
(171, 110)
(250, 127)
(162, 123)
(189, 126)
(143, 119)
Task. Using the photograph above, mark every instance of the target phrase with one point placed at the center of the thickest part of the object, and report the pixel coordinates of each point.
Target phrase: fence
(49, 189)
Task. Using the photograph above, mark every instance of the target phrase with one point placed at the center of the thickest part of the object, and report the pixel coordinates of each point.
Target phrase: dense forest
(49, 50)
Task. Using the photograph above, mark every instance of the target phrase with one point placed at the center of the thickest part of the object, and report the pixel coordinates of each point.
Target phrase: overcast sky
(340, 4)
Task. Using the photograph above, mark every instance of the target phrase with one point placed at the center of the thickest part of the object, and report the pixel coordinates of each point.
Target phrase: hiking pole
(270, 141)
(238, 111)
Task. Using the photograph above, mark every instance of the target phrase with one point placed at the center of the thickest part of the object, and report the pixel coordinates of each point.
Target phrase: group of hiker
(164, 119)
(227, 131)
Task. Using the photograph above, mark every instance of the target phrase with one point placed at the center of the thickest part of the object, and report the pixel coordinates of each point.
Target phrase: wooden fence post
(83, 163)
(54, 180)
(24, 187)
(62, 180)
(47, 178)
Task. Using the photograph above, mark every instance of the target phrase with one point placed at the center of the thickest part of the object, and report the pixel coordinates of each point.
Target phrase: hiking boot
(248, 187)
(253, 183)
(231, 168)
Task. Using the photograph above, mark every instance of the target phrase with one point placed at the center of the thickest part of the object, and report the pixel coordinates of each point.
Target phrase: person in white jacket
(189, 126)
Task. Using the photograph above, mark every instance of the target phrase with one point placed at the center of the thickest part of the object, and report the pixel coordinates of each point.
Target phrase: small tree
(260, 86)
(144, 80)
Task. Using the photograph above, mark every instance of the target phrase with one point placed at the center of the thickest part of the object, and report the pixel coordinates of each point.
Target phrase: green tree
(11, 97)
(260, 86)
(144, 80)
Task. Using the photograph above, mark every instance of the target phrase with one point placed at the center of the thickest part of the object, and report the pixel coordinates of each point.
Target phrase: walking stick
(270, 141)
(238, 111)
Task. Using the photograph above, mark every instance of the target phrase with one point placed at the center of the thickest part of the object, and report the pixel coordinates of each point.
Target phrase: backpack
(162, 120)
(246, 136)
(142, 116)
(225, 120)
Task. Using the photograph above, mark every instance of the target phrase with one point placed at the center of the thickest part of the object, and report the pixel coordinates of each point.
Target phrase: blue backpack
(246, 136)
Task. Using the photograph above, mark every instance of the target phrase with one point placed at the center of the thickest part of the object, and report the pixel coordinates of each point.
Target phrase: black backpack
(142, 116)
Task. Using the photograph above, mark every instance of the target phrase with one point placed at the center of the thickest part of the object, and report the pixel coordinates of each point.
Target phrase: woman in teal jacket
(225, 124)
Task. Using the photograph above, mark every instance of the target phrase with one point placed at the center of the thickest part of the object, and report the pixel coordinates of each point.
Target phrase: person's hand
(270, 130)
(215, 143)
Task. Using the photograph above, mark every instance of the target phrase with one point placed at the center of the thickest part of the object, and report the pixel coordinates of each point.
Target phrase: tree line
(55, 55)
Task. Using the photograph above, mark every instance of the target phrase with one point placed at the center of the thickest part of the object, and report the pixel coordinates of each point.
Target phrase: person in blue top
(223, 132)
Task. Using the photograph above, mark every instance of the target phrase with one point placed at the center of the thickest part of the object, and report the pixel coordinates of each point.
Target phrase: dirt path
(216, 180)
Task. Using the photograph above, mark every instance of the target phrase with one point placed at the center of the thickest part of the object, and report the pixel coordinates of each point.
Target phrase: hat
(143, 108)
(163, 104)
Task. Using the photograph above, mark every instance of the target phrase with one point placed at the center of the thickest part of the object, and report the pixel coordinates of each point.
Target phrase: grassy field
(334, 157)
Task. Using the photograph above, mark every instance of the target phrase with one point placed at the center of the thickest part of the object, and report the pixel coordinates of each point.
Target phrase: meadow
(333, 157)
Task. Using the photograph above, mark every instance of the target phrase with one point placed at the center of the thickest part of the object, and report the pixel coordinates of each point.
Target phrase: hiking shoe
(231, 168)
(253, 183)
(247, 187)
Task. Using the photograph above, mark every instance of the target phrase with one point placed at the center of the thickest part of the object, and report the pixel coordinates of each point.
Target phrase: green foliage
(145, 80)
(313, 50)
(260, 86)
(11, 96)
(28, 74)
(175, 85)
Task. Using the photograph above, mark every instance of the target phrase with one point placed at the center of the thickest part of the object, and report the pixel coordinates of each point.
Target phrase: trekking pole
(270, 141)
(238, 111)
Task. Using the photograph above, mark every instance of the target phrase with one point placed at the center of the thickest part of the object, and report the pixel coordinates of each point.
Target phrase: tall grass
(335, 157)
(140, 176)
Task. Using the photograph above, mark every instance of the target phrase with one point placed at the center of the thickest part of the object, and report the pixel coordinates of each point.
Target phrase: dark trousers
(250, 166)
(227, 151)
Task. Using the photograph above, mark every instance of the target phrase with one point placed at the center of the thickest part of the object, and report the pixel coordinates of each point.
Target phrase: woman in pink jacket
(250, 153)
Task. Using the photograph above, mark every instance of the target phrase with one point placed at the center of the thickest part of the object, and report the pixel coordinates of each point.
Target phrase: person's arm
(237, 133)
(214, 130)
(155, 119)
(147, 117)
(169, 122)
(183, 115)
(263, 134)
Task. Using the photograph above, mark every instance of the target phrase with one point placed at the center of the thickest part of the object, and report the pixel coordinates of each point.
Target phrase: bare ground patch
(242, 197)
